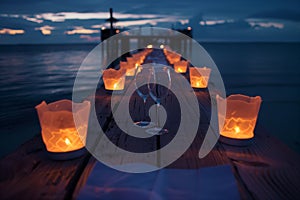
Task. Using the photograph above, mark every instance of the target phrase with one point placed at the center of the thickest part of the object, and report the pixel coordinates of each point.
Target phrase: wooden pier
(266, 169)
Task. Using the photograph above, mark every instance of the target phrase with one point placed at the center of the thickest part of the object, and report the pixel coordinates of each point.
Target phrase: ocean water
(30, 74)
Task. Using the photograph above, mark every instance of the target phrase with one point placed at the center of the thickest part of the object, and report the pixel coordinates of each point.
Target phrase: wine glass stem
(157, 116)
(158, 136)
(145, 110)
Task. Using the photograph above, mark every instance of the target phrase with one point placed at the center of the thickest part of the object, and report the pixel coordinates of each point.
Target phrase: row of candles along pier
(115, 79)
(60, 134)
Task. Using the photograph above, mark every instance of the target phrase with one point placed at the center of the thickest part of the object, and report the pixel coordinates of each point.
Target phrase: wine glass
(159, 85)
(141, 82)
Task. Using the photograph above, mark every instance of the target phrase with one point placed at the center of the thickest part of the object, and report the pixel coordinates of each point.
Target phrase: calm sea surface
(32, 73)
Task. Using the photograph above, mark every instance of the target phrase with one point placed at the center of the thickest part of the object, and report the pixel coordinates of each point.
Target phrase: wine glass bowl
(141, 81)
(159, 85)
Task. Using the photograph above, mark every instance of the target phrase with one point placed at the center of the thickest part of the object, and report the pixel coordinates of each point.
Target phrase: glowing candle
(59, 133)
(130, 66)
(139, 58)
(241, 116)
(171, 56)
(199, 77)
(114, 79)
(180, 66)
(132, 60)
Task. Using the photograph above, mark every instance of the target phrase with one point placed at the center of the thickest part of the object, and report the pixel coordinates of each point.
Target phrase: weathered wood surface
(267, 169)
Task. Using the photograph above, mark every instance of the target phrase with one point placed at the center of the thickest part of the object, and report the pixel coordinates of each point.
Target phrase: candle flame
(67, 141)
(237, 129)
(115, 85)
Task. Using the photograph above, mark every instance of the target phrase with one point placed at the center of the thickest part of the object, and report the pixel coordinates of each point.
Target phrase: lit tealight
(64, 140)
(180, 66)
(199, 77)
(240, 118)
(129, 66)
(114, 79)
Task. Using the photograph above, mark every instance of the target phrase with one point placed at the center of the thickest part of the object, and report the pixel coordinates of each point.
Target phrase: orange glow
(199, 77)
(171, 56)
(45, 30)
(180, 66)
(11, 31)
(140, 56)
(114, 79)
(129, 66)
(57, 143)
(133, 62)
(241, 116)
(58, 128)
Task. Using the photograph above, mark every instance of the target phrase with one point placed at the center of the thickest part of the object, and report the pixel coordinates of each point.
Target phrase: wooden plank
(30, 174)
(271, 183)
(267, 167)
(83, 178)
(189, 160)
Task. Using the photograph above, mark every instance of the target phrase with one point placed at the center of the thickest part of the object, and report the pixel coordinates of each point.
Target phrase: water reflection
(34, 74)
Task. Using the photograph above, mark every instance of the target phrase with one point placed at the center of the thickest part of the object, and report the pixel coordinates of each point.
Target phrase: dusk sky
(77, 21)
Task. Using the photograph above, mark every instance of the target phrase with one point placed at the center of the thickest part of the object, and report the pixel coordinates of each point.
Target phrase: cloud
(63, 16)
(32, 19)
(45, 30)
(89, 38)
(214, 22)
(128, 19)
(77, 20)
(147, 21)
(140, 22)
(81, 30)
(11, 31)
(266, 25)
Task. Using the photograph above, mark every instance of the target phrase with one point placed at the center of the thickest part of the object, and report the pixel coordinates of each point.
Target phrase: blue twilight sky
(75, 21)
